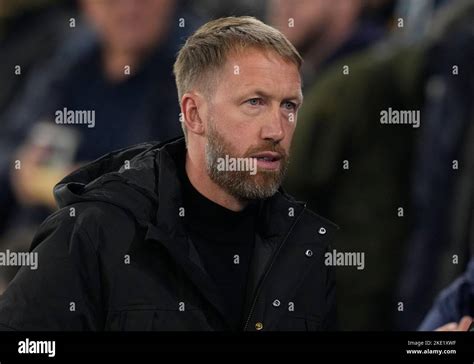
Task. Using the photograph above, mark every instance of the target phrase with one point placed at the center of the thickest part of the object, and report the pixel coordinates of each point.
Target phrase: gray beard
(240, 184)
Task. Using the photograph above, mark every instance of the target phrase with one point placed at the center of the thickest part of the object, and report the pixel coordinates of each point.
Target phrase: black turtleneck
(224, 240)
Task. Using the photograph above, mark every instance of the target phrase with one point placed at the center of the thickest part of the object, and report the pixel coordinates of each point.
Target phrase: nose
(272, 128)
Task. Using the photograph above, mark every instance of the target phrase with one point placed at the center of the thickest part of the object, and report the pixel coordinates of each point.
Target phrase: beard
(242, 184)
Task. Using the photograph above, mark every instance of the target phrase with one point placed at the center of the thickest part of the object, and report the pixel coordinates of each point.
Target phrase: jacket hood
(124, 178)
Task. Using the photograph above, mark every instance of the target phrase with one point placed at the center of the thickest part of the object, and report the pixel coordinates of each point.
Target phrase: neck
(208, 188)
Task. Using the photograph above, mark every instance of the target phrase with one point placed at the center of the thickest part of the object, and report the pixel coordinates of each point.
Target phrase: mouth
(268, 160)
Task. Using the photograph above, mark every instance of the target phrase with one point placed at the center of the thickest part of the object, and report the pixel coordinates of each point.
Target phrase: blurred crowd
(402, 195)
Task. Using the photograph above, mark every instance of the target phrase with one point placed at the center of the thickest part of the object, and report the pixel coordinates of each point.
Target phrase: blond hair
(206, 50)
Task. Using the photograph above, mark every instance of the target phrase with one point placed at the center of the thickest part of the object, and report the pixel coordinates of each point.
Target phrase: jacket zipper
(257, 293)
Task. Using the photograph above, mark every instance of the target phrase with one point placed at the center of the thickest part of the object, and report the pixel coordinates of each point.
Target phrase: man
(195, 235)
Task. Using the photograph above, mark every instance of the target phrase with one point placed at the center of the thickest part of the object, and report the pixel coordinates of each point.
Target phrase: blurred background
(402, 195)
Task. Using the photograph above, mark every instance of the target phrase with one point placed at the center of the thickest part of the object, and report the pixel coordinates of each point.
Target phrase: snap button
(258, 326)
(322, 231)
(276, 303)
(309, 253)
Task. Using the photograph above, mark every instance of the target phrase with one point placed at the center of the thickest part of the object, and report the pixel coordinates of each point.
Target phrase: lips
(268, 160)
(267, 156)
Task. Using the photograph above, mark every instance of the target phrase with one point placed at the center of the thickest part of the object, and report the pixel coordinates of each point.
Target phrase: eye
(255, 101)
(288, 105)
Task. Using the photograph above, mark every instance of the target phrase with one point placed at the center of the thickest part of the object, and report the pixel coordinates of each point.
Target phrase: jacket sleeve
(453, 303)
(63, 292)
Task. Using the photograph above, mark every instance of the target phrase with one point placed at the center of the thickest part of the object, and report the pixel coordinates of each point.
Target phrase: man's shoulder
(310, 226)
(312, 218)
(309, 218)
(98, 223)
(314, 227)
(318, 229)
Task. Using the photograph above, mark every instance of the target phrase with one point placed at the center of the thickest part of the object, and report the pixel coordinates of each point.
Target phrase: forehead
(262, 69)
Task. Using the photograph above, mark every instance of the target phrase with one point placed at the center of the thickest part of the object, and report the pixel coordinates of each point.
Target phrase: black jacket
(116, 257)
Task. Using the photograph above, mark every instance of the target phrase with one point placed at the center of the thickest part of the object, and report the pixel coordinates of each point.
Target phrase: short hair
(206, 50)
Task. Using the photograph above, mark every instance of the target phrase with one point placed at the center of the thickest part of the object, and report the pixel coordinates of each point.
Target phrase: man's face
(252, 115)
(130, 25)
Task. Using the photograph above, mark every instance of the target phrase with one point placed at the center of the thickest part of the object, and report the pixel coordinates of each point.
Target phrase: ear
(193, 106)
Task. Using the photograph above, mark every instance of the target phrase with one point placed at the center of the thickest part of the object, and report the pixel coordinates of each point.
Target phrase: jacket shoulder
(101, 223)
(64, 291)
(321, 228)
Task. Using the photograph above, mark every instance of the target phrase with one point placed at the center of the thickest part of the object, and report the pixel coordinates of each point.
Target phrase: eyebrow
(297, 97)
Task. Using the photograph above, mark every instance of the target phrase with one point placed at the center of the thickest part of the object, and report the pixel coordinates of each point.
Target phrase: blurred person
(31, 31)
(453, 308)
(362, 175)
(437, 250)
(324, 31)
(455, 304)
(163, 237)
(105, 89)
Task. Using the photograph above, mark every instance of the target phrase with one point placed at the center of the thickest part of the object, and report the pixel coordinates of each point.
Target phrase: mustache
(267, 147)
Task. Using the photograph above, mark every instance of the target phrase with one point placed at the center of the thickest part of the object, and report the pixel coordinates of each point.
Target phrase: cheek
(231, 122)
(241, 134)
(289, 132)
